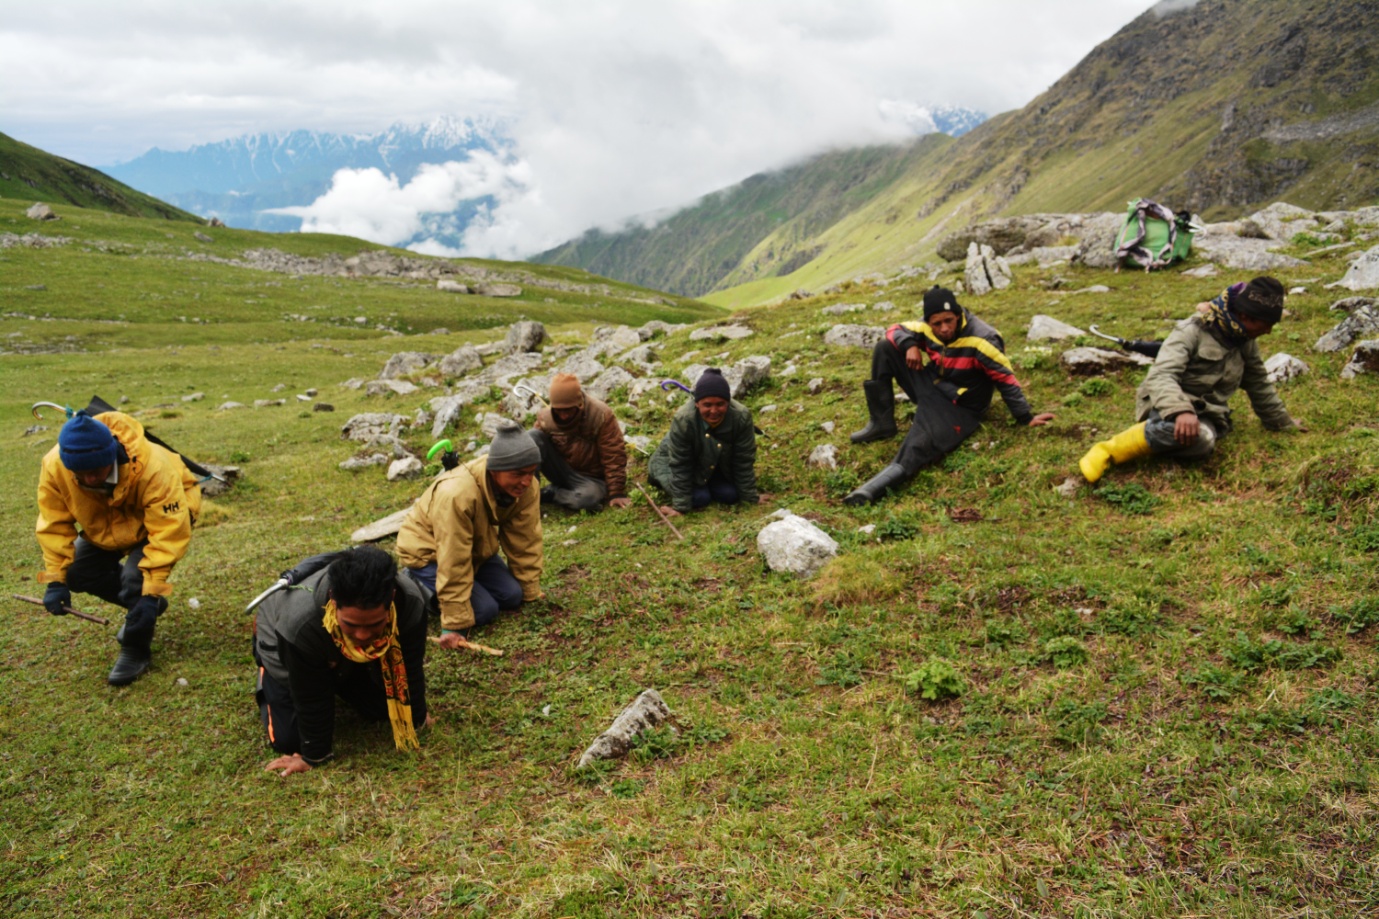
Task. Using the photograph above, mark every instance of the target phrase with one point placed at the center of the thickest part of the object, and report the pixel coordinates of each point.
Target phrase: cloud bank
(617, 107)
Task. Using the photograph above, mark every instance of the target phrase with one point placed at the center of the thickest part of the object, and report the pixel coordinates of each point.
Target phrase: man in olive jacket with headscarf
(1182, 403)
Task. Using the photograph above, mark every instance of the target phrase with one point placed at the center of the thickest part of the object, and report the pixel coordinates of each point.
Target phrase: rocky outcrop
(854, 336)
(986, 271)
(1363, 273)
(1362, 320)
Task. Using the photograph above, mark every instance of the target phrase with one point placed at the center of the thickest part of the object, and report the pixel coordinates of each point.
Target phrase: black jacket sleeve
(312, 685)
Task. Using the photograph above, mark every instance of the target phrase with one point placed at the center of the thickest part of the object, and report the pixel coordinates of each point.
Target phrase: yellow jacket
(458, 524)
(157, 499)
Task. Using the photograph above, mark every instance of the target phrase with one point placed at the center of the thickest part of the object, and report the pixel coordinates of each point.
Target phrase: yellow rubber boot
(1127, 445)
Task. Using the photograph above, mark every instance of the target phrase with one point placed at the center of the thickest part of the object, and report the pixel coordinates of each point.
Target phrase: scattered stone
(796, 545)
(35, 286)
(524, 337)
(498, 290)
(312, 392)
(854, 336)
(1046, 328)
(409, 467)
(124, 400)
(1094, 361)
(603, 385)
(658, 327)
(1282, 221)
(582, 366)
(868, 529)
(1094, 289)
(194, 603)
(182, 681)
(824, 456)
(281, 386)
(815, 386)
(303, 397)
(639, 442)
(741, 377)
(323, 407)
(383, 387)
(448, 408)
(452, 286)
(1363, 320)
(355, 463)
(227, 406)
(766, 409)
(721, 333)
(34, 429)
(381, 528)
(1350, 304)
(1201, 271)
(1242, 253)
(614, 339)
(986, 271)
(1283, 367)
(227, 476)
(1070, 486)
(202, 237)
(648, 711)
(827, 427)
(404, 364)
(1364, 360)
(1296, 291)
(461, 361)
(839, 309)
(268, 403)
(367, 425)
(1363, 273)
(194, 397)
(40, 212)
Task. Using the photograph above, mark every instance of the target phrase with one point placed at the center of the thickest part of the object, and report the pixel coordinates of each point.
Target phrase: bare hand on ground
(1299, 425)
(765, 498)
(1041, 419)
(287, 765)
(914, 358)
(619, 502)
(451, 640)
(1186, 428)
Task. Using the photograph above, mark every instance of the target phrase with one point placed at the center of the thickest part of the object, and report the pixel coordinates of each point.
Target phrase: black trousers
(939, 426)
(361, 686)
(100, 572)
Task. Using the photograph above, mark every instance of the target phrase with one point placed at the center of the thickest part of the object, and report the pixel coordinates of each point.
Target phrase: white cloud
(617, 107)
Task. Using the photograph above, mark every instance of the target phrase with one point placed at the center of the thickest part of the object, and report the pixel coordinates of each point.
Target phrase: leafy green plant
(840, 482)
(656, 743)
(843, 671)
(1129, 498)
(1077, 724)
(1065, 651)
(1275, 654)
(936, 679)
(1358, 616)
(1097, 386)
(1216, 683)
(898, 526)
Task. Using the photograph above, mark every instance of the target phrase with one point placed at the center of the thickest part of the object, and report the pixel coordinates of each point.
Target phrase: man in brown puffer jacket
(583, 455)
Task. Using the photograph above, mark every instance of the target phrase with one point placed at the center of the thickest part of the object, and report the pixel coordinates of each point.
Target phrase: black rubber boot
(892, 476)
(881, 408)
(130, 665)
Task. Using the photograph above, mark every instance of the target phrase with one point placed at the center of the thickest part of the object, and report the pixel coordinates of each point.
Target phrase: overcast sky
(617, 107)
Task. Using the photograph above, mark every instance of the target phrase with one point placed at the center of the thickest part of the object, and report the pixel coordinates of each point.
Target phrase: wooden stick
(471, 646)
(659, 513)
(99, 620)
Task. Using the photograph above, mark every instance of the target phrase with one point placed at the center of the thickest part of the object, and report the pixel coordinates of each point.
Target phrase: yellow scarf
(388, 652)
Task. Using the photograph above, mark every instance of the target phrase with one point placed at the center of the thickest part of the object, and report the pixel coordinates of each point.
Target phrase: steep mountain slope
(28, 173)
(238, 179)
(1219, 107)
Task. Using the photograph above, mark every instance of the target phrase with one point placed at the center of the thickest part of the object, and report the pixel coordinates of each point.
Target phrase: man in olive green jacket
(1182, 403)
(710, 452)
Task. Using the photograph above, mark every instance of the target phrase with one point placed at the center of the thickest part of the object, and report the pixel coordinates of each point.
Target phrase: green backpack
(1153, 236)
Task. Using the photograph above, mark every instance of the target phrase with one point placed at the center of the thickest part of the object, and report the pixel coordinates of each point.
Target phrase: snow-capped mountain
(915, 118)
(240, 179)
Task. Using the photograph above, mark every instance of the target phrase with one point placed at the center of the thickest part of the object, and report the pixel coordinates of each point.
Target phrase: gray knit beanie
(512, 448)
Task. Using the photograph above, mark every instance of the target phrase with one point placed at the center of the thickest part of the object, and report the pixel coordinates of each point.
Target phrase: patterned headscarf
(388, 652)
(1222, 317)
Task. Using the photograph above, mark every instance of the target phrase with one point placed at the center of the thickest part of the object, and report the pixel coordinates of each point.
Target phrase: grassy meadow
(1153, 698)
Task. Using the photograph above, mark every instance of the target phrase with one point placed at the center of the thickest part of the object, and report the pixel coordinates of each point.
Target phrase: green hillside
(1220, 108)
(33, 175)
(1167, 688)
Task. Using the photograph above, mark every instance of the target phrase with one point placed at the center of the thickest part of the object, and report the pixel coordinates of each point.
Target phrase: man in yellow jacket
(450, 540)
(132, 500)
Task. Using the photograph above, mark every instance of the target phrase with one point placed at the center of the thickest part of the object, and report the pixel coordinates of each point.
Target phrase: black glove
(138, 624)
(56, 597)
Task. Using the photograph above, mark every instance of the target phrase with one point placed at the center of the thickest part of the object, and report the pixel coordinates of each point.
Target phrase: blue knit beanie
(84, 443)
(712, 384)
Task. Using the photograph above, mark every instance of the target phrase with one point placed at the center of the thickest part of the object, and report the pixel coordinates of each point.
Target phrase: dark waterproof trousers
(494, 589)
(938, 427)
(360, 685)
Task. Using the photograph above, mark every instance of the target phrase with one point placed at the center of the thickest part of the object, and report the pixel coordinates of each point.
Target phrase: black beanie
(710, 384)
(940, 300)
(1261, 299)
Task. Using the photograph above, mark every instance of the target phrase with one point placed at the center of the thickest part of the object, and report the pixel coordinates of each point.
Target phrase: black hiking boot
(881, 409)
(893, 476)
(130, 665)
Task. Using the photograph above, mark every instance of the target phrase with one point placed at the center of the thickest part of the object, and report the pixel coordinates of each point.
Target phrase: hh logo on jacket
(172, 508)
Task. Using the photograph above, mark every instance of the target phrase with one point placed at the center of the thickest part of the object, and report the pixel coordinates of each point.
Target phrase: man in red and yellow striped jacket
(950, 365)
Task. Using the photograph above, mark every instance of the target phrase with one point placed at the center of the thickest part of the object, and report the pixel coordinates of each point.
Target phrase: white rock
(461, 361)
(868, 529)
(451, 286)
(409, 467)
(1363, 320)
(368, 425)
(721, 333)
(796, 545)
(815, 385)
(194, 603)
(383, 387)
(603, 385)
(1046, 328)
(227, 406)
(194, 397)
(646, 712)
(1364, 360)
(1282, 367)
(1363, 273)
(1091, 361)
(303, 397)
(824, 456)
(1201, 271)
(525, 336)
(827, 427)
(364, 462)
(405, 363)
(854, 336)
